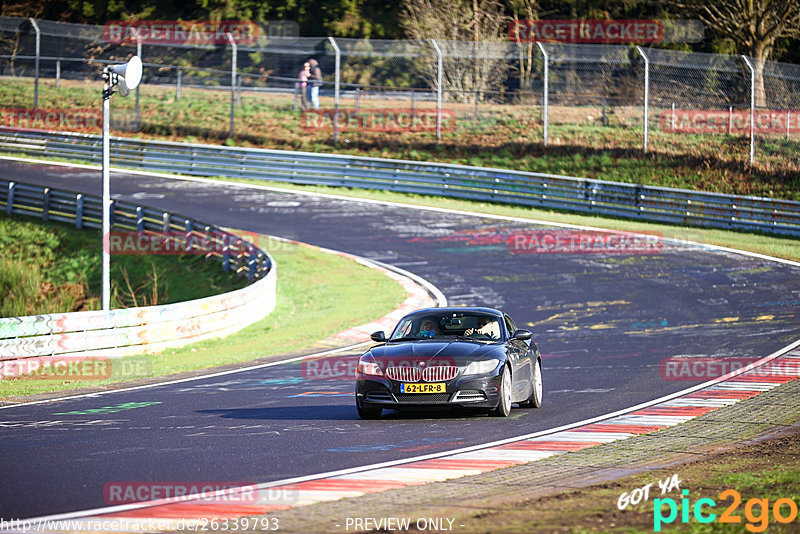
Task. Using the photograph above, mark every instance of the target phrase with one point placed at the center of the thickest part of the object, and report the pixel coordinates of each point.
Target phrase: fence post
(178, 85)
(12, 186)
(752, 108)
(646, 93)
(438, 92)
(234, 55)
(545, 93)
(730, 120)
(46, 204)
(336, 89)
(79, 211)
(38, 48)
(189, 239)
(138, 53)
(58, 73)
(672, 127)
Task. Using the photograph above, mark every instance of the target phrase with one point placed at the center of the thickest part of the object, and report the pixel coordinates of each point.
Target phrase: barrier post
(336, 90)
(646, 94)
(545, 91)
(38, 50)
(234, 55)
(752, 108)
(438, 91)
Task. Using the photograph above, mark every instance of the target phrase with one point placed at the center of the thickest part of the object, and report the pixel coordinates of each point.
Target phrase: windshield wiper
(467, 338)
(407, 338)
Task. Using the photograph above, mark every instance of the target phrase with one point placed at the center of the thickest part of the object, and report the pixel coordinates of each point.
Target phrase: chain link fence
(649, 99)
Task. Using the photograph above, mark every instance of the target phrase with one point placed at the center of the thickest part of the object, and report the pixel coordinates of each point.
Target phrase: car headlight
(368, 366)
(481, 367)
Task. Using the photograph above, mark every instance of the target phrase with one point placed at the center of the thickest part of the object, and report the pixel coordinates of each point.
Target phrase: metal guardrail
(135, 330)
(599, 197)
(84, 212)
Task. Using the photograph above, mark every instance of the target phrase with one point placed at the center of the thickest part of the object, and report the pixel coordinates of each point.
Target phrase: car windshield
(476, 326)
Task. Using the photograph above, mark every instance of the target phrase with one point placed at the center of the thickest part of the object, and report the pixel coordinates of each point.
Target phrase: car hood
(454, 352)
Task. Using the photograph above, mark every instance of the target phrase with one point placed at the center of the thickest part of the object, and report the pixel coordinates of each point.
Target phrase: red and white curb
(679, 408)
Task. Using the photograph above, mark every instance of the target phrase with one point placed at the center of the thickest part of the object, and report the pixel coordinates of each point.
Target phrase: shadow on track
(327, 412)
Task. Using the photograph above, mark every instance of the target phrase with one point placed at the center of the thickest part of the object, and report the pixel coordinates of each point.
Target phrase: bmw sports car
(450, 357)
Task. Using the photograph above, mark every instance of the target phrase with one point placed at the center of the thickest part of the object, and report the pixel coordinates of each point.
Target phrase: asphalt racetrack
(605, 323)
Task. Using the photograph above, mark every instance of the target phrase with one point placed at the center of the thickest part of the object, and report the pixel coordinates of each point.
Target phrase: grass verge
(766, 470)
(316, 298)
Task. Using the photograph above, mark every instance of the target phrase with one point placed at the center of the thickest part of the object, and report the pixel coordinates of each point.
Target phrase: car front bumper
(466, 392)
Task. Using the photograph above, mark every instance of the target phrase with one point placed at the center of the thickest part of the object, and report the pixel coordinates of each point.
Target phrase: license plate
(438, 387)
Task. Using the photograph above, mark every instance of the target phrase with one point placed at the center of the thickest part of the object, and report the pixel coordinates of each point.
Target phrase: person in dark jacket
(314, 83)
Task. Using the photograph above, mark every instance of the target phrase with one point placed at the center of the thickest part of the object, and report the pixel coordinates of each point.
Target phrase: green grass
(52, 267)
(316, 299)
(505, 137)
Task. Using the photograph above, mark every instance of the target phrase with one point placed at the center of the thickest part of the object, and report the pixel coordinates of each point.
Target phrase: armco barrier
(656, 204)
(132, 330)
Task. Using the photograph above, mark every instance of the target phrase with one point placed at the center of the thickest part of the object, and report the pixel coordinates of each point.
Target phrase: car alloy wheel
(536, 399)
(504, 407)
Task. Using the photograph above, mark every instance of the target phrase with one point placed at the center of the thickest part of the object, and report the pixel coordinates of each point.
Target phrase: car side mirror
(522, 335)
(378, 336)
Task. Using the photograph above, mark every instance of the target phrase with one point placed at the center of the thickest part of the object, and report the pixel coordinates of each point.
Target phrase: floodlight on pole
(122, 78)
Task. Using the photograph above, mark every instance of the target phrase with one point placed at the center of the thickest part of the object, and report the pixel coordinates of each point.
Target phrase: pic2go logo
(756, 511)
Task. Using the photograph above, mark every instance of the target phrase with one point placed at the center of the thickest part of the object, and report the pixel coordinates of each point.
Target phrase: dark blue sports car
(450, 357)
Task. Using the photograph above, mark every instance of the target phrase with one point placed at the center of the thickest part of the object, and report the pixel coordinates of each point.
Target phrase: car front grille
(422, 399)
(404, 374)
(439, 373)
(435, 373)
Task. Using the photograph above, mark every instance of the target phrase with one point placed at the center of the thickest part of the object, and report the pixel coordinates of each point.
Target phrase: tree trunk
(759, 58)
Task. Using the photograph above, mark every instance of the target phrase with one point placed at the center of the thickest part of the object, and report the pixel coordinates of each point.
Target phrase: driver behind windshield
(485, 328)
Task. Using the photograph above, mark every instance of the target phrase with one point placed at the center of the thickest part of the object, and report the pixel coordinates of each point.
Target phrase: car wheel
(535, 401)
(367, 412)
(504, 407)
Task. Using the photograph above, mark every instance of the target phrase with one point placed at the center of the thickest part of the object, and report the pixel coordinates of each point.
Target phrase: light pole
(122, 78)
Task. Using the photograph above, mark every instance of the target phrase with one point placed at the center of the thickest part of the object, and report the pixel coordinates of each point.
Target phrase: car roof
(457, 309)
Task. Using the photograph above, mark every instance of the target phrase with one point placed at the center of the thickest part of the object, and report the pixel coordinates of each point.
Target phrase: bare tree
(754, 25)
(528, 10)
(466, 31)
